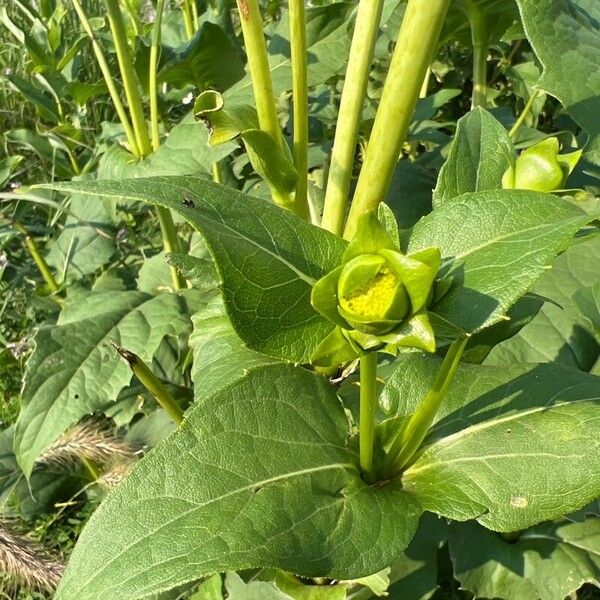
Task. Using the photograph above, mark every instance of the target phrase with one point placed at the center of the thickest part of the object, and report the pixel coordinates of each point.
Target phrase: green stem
(412, 435)
(349, 116)
(109, 80)
(258, 64)
(419, 33)
(297, 18)
(479, 97)
(38, 259)
(519, 122)
(152, 83)
(129, 77)
(368, 405)
(170, 242)
(152, 383)
(188, 18)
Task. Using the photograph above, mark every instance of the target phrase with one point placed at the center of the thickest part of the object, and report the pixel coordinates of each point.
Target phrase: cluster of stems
(408, 71)
(140, 142)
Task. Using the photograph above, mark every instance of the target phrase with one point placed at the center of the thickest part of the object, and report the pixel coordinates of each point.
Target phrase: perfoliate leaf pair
(377, 297)
(541, 168)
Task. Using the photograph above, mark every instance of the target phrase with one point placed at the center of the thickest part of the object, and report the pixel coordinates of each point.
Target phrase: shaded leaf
(74, 371)
(565, 35)
(548, 561)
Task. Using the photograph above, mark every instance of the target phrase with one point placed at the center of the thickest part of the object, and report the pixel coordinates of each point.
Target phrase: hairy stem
(109, 80)
(152, 383)
(297, 18)
(351, 106)
(412, 56)
(519, 122)
(368, 405)
(410, 439)
(129, 77)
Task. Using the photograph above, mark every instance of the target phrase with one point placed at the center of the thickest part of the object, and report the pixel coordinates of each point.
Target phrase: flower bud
(377, 297)
(541, 168)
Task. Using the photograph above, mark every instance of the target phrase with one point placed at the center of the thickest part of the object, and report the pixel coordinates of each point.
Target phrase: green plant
(273, 455)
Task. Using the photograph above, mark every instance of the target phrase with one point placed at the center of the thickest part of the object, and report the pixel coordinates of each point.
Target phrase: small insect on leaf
(187, 201)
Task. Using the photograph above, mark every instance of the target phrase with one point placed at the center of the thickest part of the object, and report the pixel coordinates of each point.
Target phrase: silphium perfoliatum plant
(377, 298)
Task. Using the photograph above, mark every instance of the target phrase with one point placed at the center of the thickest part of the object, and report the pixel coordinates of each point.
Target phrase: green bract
(377, 297)
(540, 168)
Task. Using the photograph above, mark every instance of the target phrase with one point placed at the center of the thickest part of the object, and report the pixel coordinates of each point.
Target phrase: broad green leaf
(208, 60)
(549, 561)
(87, 241)
(220, 356)
(511, 446)
(184, 152)
(74, 371)
(565, 35)
(267, 258)
(479, 155)
(561, 332)
(258, 475)
(496, 243)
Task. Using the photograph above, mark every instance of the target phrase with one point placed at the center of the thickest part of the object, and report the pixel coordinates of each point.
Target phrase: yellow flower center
(372, 299)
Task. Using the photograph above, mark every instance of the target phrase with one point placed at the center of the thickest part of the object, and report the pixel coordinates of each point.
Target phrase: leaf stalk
(411, 437)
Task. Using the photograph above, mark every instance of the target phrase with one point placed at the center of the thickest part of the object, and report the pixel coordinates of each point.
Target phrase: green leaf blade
(257, 475)
(500, 242)
(74, 371)
(267, 258)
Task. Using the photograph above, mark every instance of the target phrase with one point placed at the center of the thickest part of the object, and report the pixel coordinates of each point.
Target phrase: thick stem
(368, 405)
(151, 382)
(519, 122)
(297, 19)
(38, 259)
(170, 242)
(349, 116)
(479, 96)
(410, 439)
(258, 63)
(481, 42)
(129, 77)
(419, 33)
(108, 78)
(153, 68)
